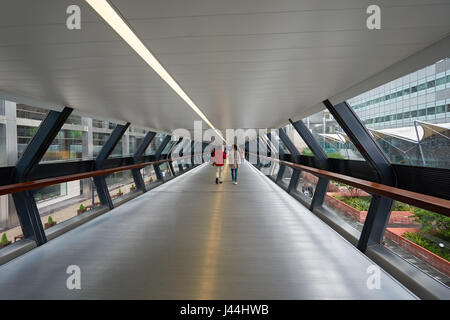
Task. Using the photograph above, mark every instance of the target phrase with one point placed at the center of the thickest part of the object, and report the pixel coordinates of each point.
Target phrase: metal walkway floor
(193, 239)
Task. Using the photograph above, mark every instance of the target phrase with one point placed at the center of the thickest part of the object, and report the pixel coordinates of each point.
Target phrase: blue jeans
(234, 174)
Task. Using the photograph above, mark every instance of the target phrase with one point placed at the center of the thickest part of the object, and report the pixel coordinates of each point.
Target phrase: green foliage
(363, 203)
(341, 184)
(422, 241)
(4, 239)
(120, 191)
(133, 186)
(307, 152)
(433, 223)
(335, 155)
(50, 220)
(82, 207)
(400, 206)
(359, 203)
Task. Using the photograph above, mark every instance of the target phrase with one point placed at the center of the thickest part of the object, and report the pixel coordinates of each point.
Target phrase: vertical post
(108, 147)
(281, 156)
(258, 160)
(137, 176)
(26, 207)
(320, 155)
(295, 158)
(380, 207)
(420, 145)
(192, 153)
(247, 149)
(179, 146)
(9, 150)
(158, 156)
(87, 153)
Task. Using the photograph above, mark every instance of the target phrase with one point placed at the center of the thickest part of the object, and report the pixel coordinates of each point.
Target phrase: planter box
(79, 211)
(429, 257)
(5, 245)
(47, 225)
(397, 217)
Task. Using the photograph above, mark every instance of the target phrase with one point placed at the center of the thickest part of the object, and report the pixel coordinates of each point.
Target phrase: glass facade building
(409, 117)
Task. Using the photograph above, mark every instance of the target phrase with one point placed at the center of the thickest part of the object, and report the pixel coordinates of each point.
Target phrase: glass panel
(422, 238)
(413, 128)
(297, 140)
(349, 203)
(275, 167)
(275, 139)
(9, 222)
(120, 185)
(175, 166)
(168, 147)
(153, 146)
(61, 202)
(149, 176)
(67, 145)
(331, 137)
(307, 186)
(165, 170)
(286, 179)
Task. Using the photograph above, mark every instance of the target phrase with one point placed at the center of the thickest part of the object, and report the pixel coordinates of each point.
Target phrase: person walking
(235, 160)
(219, 157)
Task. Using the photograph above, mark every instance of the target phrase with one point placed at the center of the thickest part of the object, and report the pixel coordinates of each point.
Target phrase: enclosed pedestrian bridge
(335, 114)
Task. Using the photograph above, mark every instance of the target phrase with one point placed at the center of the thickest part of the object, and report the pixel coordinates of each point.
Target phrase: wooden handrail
(424, 201)
(30, 185)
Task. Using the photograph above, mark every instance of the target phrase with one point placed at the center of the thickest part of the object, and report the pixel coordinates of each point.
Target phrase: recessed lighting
(109, 14)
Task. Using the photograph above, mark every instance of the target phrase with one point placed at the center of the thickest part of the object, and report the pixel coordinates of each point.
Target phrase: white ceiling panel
(246, 63)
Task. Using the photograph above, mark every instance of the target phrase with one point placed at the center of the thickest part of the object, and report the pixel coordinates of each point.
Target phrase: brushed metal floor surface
(193, 239)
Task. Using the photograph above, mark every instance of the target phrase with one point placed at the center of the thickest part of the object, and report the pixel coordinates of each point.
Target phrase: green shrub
(82, 207)
(363, 203)
(359, 203)
(432, 222)
(422, 241)
(336, 155)
(50, 220)
(120, 191)
(4, 239)
(400, 206)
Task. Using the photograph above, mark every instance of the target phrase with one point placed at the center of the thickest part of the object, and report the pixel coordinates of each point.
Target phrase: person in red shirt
(218, 157)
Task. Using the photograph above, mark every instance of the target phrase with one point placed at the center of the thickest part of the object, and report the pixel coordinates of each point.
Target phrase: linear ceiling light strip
(109, 14)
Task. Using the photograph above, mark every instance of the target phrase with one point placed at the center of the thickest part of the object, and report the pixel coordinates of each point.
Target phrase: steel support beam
(107, 149)
(247, 150)
(322, 185)
(380, 207)
(26, 207)
(258, 160)
(295, 158)
(158, 156)
(137, 176)
(280, 155)
(192, 153)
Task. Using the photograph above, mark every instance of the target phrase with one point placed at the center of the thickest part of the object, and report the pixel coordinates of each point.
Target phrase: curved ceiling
(245, 63)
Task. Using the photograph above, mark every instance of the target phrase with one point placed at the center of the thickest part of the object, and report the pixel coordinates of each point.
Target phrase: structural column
(158, 156)
(380, 207)
(137, 176)
(108, 147)
(320, 155)
(26, 207)
(295, 158)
